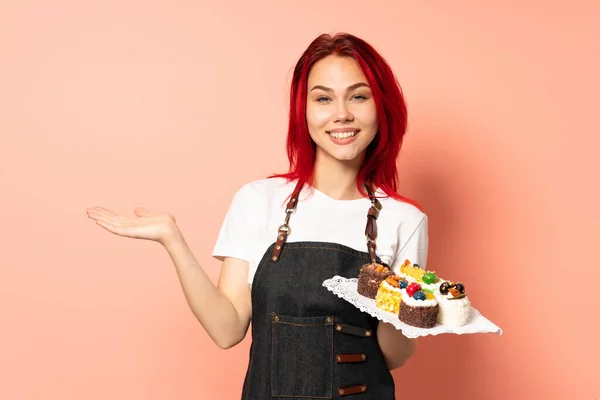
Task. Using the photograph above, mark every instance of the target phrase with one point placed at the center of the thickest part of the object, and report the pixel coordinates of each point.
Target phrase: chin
(344, 156)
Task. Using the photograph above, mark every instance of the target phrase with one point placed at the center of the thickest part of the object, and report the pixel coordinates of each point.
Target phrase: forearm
(396, 347)
(215, 312)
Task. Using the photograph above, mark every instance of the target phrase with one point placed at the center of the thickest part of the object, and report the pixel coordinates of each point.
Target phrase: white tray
(346, 289)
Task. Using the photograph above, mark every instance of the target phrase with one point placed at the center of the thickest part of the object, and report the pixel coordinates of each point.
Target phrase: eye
(322, 99)
(359, 97)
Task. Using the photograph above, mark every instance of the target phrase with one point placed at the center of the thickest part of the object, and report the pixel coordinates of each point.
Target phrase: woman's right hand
(156, 226)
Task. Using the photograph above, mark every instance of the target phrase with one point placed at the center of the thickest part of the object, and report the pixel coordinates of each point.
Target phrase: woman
(347, 121)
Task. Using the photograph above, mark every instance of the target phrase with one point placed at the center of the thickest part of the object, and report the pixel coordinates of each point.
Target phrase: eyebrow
(350, 88)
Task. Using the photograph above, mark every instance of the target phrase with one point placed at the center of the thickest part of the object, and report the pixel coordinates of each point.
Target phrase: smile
(342, 135)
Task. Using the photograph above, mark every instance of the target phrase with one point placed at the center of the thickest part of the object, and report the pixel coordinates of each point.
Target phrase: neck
(335, 178)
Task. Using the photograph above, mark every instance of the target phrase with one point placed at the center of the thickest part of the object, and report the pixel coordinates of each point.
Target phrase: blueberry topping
(419, 295)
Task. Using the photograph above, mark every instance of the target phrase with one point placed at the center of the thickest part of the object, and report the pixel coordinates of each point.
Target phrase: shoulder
(263, 192)
(405, 219)
(267, 188)
(269, 185)
(402, 212)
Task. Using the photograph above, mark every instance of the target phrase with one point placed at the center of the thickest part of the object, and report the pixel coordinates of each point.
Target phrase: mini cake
(418, 308)
(388, 294)
(370, 277)
(414, 273)
(455, 307)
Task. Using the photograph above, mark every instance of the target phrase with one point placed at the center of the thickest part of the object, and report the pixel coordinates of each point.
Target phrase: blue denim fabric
(294, 340)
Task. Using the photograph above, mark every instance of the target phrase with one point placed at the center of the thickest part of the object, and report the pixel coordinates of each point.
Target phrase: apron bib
(307, 343)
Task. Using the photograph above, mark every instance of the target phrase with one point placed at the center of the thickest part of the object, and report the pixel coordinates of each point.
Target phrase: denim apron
(307, 343)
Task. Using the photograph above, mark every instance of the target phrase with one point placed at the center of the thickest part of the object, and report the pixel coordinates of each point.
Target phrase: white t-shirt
(258, 209)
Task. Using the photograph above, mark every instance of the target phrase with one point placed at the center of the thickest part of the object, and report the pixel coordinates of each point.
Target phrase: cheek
(317, 117)
(366, 114)
(369, 117)
(369, 122)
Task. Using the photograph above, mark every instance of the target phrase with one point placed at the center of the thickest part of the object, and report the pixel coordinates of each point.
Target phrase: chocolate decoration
(457, 290)
(444, 288)
(460, 287)
(370, 278)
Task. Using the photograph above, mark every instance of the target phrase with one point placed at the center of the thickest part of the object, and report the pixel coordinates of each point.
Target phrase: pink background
(174, 105)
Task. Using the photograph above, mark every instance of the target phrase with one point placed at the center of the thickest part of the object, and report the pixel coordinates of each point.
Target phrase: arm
(225, 310)
(396, 347)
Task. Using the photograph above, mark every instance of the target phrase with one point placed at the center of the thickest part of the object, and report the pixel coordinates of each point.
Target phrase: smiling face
(340, 110)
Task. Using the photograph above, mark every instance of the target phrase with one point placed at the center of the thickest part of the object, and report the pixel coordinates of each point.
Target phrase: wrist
(172, 236)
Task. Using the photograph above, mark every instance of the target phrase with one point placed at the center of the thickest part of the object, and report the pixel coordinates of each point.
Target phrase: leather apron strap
(370, 229)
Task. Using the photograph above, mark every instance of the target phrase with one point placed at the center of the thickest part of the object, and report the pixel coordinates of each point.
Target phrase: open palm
(156, 226)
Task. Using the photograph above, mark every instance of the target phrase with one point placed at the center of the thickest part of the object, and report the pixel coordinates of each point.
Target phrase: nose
(342, 113)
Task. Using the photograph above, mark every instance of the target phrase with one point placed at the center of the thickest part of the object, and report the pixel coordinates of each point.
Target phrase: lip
(345, 141)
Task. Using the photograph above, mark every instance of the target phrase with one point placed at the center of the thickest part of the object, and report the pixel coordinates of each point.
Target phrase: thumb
(141, 212)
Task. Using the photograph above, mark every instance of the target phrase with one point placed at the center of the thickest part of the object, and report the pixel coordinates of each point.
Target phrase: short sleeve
(415, 247)
(239, 226)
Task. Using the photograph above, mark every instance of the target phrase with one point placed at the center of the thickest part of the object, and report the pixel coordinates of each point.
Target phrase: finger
(97, 216)
(93, 215)
(108, 216)
(141, 212)
(108, 226)
(102, 211)
(117, 229)
(96, 209)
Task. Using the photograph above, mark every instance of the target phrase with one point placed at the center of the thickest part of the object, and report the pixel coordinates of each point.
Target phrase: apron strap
(370, 229)
(285, 230)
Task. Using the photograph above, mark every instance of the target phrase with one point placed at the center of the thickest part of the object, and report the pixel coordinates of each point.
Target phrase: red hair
(379, 165)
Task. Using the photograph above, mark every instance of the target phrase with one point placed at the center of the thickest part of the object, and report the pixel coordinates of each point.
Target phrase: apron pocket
(302, 356)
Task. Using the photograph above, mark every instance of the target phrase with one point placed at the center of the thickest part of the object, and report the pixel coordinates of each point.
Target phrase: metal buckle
(285, 228)
(373, 205)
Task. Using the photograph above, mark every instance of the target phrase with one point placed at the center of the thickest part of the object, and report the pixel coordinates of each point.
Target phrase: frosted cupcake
(389, 295)
(418, 308)
(455, 307)
(414, 273)
(370, 277)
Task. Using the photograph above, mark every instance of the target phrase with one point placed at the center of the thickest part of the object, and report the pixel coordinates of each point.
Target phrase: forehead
(335, 72)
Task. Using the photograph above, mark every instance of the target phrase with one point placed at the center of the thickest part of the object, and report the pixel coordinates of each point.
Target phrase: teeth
(342, 135)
